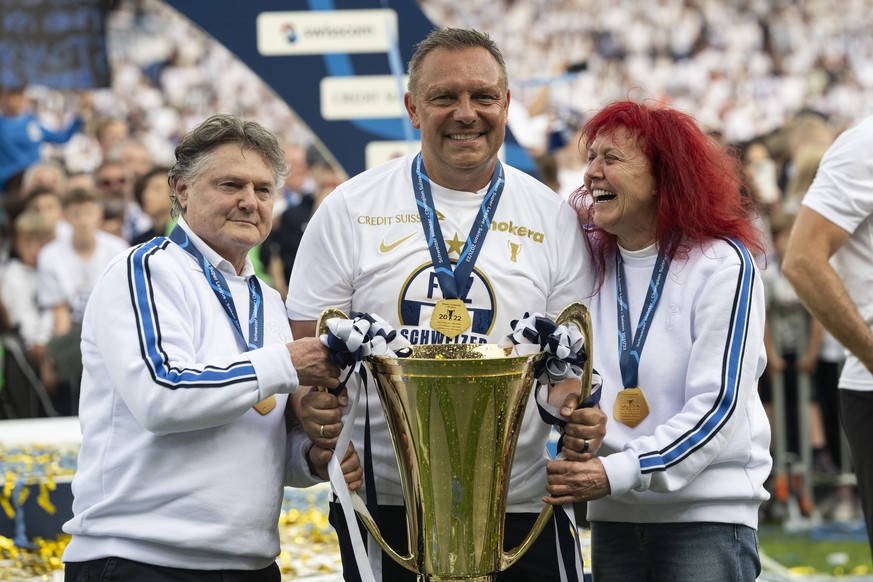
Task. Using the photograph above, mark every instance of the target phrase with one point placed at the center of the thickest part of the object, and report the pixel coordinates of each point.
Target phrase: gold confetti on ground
(309, 546)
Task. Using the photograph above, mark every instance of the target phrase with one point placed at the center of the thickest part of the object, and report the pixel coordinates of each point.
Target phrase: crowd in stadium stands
(776, 79)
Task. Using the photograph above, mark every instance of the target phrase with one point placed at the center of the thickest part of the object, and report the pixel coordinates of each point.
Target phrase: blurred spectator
(298, 184)
(115, 186)
(152, 193)
(570, 161)
(760, 171)
(68, 269)
(48, 204)
(547, 170)
(84, 180)
(31, 233)
(113, 181)
(791, 352)
(810, 141)
(788, 319)
(22, 133)
(804, 166)
(291, 214)
(113, 219)
(110, 132)
(805, 129)
(49, 174)
(761, 174)
(326, 176)
(133, 156)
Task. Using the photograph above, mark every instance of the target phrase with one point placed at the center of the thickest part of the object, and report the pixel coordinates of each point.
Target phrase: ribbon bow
(565, 358)
(564, 346)
(350, 340)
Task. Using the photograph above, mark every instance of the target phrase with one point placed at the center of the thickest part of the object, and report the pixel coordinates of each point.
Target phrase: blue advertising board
(338, 64)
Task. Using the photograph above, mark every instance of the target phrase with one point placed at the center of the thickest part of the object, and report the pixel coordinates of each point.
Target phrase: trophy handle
(509, 558)
(360, 507)
(408, 561)
(578, 314)
(321, 329)
(329, 313)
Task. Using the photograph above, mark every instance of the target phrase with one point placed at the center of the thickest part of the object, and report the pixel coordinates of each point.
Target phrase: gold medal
(450, 317)
(630, 407)
(265, 405)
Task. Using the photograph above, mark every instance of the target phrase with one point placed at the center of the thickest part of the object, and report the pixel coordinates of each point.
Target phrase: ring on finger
(585, 445)
(321, 432)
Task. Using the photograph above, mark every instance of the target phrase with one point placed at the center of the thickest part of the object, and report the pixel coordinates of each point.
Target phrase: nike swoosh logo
(387, 248)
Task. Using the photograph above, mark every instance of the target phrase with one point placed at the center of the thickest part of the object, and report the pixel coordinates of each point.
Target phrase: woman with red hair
(676, 485)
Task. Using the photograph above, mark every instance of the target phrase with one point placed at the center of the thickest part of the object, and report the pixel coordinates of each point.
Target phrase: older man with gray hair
(188, 363)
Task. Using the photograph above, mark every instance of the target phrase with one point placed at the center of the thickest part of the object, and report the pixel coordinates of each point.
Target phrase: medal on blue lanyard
(225, 298)
(630, 403)
(450, 316)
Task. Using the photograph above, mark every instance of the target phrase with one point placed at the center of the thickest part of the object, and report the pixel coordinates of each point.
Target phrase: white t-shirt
(842, 192)
(365, 250)
(65, 278)
(19, 284)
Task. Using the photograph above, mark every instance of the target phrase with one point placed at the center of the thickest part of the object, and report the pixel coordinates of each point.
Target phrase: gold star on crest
(455, 245)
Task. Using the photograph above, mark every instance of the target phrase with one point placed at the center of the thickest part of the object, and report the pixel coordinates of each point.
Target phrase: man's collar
(213, 257)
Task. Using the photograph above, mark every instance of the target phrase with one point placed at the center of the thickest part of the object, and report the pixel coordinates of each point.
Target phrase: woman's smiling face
(623, 189)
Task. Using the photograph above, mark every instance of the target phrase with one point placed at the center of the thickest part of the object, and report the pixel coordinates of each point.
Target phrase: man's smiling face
(461, 106)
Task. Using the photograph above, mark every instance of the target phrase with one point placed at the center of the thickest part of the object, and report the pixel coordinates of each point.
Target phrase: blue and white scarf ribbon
(349, 341)
(565, 359)
(564, 346)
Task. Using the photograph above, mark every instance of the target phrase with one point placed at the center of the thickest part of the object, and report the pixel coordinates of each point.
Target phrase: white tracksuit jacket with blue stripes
(702, 454)
(176, 468)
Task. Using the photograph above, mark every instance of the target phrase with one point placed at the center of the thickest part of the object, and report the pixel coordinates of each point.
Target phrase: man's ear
(409, 102)
(180, 186)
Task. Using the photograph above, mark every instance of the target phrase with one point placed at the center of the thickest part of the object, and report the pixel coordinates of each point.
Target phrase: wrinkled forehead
(620, 136)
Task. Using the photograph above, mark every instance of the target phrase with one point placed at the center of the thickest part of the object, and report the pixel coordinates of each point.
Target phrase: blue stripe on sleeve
(148, 327)
(726, 403)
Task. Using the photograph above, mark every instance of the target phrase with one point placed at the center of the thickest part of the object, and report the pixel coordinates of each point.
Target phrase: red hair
(698, 180)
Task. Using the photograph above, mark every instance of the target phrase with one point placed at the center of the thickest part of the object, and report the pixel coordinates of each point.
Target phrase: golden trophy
(454, 412)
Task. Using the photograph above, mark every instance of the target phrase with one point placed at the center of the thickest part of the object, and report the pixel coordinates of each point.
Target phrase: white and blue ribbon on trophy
(349, 341)
(565, 359)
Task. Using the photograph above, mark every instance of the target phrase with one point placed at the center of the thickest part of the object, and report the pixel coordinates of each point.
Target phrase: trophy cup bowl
(454, 412)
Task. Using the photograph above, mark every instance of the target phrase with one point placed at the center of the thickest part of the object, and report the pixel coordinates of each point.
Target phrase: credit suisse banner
(339, 64)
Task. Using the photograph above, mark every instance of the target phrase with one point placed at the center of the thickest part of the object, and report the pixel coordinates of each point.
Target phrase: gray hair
(54, 166)
(453, 39)
(193, 152)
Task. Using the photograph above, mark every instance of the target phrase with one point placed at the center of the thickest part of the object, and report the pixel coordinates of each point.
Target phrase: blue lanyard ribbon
(454, 283)
(629, 351)
(222, 292)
